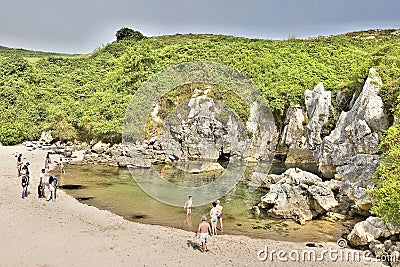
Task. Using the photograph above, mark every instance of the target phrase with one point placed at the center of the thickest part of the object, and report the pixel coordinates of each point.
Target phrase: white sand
(35, 232)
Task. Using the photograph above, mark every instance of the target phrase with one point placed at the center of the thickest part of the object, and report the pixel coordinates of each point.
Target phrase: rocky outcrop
(351, 198)
(293, 138)
(206, 129)
(349, 149)
(298, 195)
(260, 180)
(371, 229)
(318, 106)
(349, 152)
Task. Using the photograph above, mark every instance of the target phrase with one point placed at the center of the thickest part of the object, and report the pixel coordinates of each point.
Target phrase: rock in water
(299, 195)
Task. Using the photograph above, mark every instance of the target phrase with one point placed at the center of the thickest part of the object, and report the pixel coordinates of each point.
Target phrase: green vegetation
(386, 192)
(126, 33)
(85, 96)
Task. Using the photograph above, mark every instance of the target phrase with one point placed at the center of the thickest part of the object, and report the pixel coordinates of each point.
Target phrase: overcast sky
(80, 26)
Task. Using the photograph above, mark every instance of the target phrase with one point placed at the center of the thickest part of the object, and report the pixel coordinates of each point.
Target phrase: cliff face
(349, 151)
(206, 129)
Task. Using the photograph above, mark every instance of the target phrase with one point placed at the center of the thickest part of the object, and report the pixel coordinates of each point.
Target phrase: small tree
(126, 33)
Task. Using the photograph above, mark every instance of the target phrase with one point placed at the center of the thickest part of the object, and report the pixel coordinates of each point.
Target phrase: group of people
(24, 174)
(206, 229)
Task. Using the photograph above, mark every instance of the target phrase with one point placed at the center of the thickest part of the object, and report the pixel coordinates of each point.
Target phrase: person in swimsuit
(61, 165)
(203, 230)
(219, 217)
(214, 215)
(188, 206)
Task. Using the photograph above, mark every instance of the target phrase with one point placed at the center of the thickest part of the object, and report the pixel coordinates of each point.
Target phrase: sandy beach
(35, 232)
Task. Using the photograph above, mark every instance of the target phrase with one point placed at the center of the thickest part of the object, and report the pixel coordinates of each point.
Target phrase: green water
(114, 189)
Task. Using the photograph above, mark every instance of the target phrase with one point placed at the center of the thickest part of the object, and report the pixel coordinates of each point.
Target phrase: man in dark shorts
(219, 217)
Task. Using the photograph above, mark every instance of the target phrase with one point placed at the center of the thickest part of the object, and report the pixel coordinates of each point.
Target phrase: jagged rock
(293, 140)
(357, 132)
(377, 248)
(262, 180)
(299, 195)
(372, 229)
(137, 159)
(318, 106)
(358, 195)
(355, 169)
(261, 125)
(206, 129)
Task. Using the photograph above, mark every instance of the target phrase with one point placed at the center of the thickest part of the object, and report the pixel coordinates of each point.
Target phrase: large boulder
(99, 147)
(46, 138)
(355, 137)
(299, 195)
(371, 229)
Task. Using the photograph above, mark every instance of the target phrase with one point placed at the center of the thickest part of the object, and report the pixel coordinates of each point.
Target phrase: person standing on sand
(52, 187)
(188, 206)
(47, 161)
(219, 217)
(214, 215)
(42, 183)
(25, 172)
(24, 184)
(19, 164)
(203, 230)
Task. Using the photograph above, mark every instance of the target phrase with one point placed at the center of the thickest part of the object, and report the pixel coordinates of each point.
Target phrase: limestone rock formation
(299, 195)
(318, 106)
(350, 148)
(371, 229)
(293, 139)
(206, 129)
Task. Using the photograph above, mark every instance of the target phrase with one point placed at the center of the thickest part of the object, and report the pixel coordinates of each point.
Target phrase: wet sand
(35, 232)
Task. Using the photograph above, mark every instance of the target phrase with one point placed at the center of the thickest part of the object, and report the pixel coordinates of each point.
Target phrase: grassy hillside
(85, 96)
(29, 54)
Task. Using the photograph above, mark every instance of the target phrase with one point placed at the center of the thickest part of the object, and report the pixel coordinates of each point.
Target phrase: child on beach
(188, 206)
(203, 230)
(61, 165)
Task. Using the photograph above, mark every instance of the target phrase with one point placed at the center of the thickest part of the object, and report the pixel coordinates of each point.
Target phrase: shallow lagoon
(114, 189)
